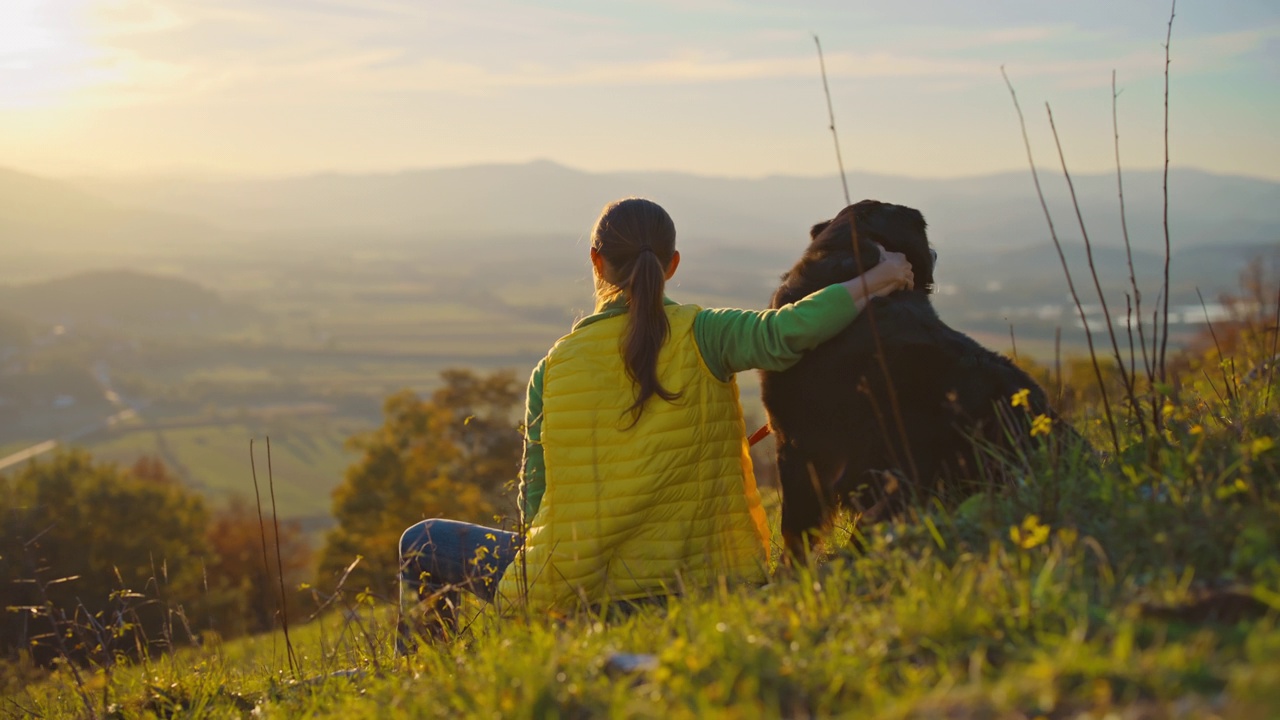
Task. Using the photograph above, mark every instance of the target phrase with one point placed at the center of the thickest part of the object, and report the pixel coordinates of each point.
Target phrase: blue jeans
(440, 553)
(440, 557)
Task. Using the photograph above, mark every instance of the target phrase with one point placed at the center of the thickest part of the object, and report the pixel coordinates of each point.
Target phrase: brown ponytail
(637, 239)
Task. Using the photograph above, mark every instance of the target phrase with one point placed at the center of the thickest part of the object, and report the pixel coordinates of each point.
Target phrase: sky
(713, 87)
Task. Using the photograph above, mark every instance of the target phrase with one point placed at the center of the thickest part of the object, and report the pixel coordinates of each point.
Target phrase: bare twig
(1124, 228)
(262, 530)
(284, 603)
(1226, 381)
(1128, 326)
(23, 711)
(883, 363)
(50, 611)
(1213, 387)
(1097, 286)
(1013, 340)
(1134, 405)
(831, 117)
(1057, 359)
(1053, 233)
(1164, 338)
(857, 256)
(1271, 361)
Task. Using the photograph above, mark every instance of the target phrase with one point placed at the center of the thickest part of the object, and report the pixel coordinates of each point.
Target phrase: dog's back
(856, 429)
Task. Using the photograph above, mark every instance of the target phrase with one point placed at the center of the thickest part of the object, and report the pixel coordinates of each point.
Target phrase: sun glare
(43, 56)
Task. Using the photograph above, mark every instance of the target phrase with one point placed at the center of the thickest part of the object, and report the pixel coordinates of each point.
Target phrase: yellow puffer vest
(642, 511)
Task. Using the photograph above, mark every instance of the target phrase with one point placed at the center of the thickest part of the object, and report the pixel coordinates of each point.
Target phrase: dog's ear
(816, 230)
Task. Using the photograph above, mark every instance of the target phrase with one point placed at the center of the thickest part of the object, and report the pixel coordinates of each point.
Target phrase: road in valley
(125, 411)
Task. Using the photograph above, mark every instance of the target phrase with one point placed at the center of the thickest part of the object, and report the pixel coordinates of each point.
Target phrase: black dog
(894, 406)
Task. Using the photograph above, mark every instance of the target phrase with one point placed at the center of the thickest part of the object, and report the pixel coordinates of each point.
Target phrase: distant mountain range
(41, 214)
(543, 198)
(990, 231)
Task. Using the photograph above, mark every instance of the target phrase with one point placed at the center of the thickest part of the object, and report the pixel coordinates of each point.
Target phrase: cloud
(155, 51)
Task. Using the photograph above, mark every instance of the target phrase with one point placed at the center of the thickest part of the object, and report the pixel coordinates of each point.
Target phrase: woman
(636, 481)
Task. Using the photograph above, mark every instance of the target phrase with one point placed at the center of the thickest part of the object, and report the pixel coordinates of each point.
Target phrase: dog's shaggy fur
(840, 423)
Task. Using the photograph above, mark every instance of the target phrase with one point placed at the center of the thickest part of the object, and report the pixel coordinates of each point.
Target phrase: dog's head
(896, 227)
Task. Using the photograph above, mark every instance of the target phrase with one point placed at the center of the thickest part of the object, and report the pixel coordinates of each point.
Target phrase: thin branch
(1124, 228)
(262, 530)
(284, 604)
(870, 313)
(892, 391)
(831, 117)
(1226, 382)
(1164, 339)
(1053, 233)
(1134, 405)
(1097, 285)
(1271, 361)
(1128, 326)
(1057, 360)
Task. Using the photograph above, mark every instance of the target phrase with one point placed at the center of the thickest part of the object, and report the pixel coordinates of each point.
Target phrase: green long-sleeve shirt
(730, 341)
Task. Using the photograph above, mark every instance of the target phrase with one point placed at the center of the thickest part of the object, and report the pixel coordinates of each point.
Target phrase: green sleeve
(733, 340)
(533, 477)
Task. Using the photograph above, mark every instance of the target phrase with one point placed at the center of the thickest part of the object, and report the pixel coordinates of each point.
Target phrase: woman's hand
(892, 273)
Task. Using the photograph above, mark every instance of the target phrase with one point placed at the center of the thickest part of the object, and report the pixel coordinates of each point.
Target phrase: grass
(1143, 584)
(1007, 633)
(1147, 585)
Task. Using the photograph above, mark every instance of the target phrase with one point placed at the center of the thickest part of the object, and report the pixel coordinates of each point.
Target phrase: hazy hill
(42, 219)
(118, 298)
(543, 198)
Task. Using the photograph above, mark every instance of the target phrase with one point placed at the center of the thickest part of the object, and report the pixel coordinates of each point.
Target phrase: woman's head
(633, 251)
(627, 237)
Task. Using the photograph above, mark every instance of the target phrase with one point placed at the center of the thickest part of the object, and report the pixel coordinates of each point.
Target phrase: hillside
(117, 297)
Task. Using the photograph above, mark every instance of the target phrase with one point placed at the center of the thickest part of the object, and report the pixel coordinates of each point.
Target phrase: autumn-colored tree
(485, 421)
(243, 584)
(451, 455)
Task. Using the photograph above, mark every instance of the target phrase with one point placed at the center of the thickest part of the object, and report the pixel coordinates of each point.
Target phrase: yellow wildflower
(1030, 534)
(1020, 398)
(1196, 430)
(1041, 425)
(1261, 445)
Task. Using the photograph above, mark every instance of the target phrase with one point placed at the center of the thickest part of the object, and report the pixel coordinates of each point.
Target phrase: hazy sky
(720, 87)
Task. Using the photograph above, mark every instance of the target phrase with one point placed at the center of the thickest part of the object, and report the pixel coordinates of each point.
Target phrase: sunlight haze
(714, 87)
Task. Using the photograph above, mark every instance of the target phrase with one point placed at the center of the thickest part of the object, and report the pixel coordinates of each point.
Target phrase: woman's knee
(416, 537)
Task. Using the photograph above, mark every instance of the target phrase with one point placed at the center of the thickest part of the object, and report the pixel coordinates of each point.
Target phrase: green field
(308, 458)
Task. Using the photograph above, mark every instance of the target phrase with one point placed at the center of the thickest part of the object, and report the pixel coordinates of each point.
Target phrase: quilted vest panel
(632, 512)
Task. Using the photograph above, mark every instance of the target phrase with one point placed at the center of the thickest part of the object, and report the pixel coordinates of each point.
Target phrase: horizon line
(214, 175)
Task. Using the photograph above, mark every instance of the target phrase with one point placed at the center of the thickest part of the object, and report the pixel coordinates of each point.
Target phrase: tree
(110, 538)
(121, 559)
(452, 455)
(243, 586)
